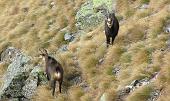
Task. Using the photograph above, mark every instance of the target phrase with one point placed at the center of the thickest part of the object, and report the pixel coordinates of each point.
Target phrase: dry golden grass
(140, 57)
(137, 48)
(43, 94)
(3, 68)
(75, 93)
(112, 56)
(164, 74)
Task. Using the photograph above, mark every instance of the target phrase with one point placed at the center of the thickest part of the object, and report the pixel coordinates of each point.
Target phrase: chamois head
(43, 52)
(110, 19)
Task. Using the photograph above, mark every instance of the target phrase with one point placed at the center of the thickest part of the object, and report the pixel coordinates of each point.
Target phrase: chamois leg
(108, 40)
(60, 83)
(53, 86)
(113, 38)
(48, 77)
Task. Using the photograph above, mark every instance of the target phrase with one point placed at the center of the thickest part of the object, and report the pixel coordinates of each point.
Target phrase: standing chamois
(111, 27)
(53, 70)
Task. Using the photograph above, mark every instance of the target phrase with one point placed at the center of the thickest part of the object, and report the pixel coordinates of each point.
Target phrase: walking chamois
(111, 27)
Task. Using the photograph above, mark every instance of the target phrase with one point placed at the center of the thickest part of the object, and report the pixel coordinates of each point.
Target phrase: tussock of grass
(3, 68)
(165, 71)
(75, 94)
(113, 55)
(43, 94)
(136, 33)
(157, 57)
(158, 5)
(156, 24)
(86, 97)
(145, 1)
(140, 57)
(125, 58)
(143, 14)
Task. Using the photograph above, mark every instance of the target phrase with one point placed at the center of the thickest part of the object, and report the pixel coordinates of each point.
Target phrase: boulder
(91, 13)
(14, 79)
(21, 78)
(29, 88)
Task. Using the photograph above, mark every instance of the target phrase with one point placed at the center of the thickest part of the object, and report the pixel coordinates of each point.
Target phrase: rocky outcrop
(31, 83)
(17, 73)
(21, 78)
(91, 13)
(135, 85)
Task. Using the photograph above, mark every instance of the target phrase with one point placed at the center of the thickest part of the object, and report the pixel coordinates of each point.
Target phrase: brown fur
(53, 70)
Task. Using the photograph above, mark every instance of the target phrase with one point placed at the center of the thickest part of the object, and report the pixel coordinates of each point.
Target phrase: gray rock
(116, 70)
(154, 95)
(168, 43)
(31, 83)
(17, 73)
(167, 28)
(90, 13)
(75, 78)
(122, 93)
(9, 54)
(85, 86)
(20, 81)
(134, 85)
(68, 37)
(63, 48)
(101, 61)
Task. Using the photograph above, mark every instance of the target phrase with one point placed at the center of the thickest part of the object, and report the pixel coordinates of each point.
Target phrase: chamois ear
(43, 52)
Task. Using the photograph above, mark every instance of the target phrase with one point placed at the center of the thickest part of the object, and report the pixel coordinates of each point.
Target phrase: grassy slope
(137, 49)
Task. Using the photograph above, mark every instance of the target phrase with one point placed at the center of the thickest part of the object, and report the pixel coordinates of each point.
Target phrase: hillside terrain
(135, 68)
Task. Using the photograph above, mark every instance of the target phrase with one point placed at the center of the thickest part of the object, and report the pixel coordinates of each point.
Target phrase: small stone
(101, 61)
(167, 30)
(63, 48)
(68, 37)
(116, 69)
(144, 6)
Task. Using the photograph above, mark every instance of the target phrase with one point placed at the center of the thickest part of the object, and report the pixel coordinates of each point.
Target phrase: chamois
(53, 70)
(111, 27)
